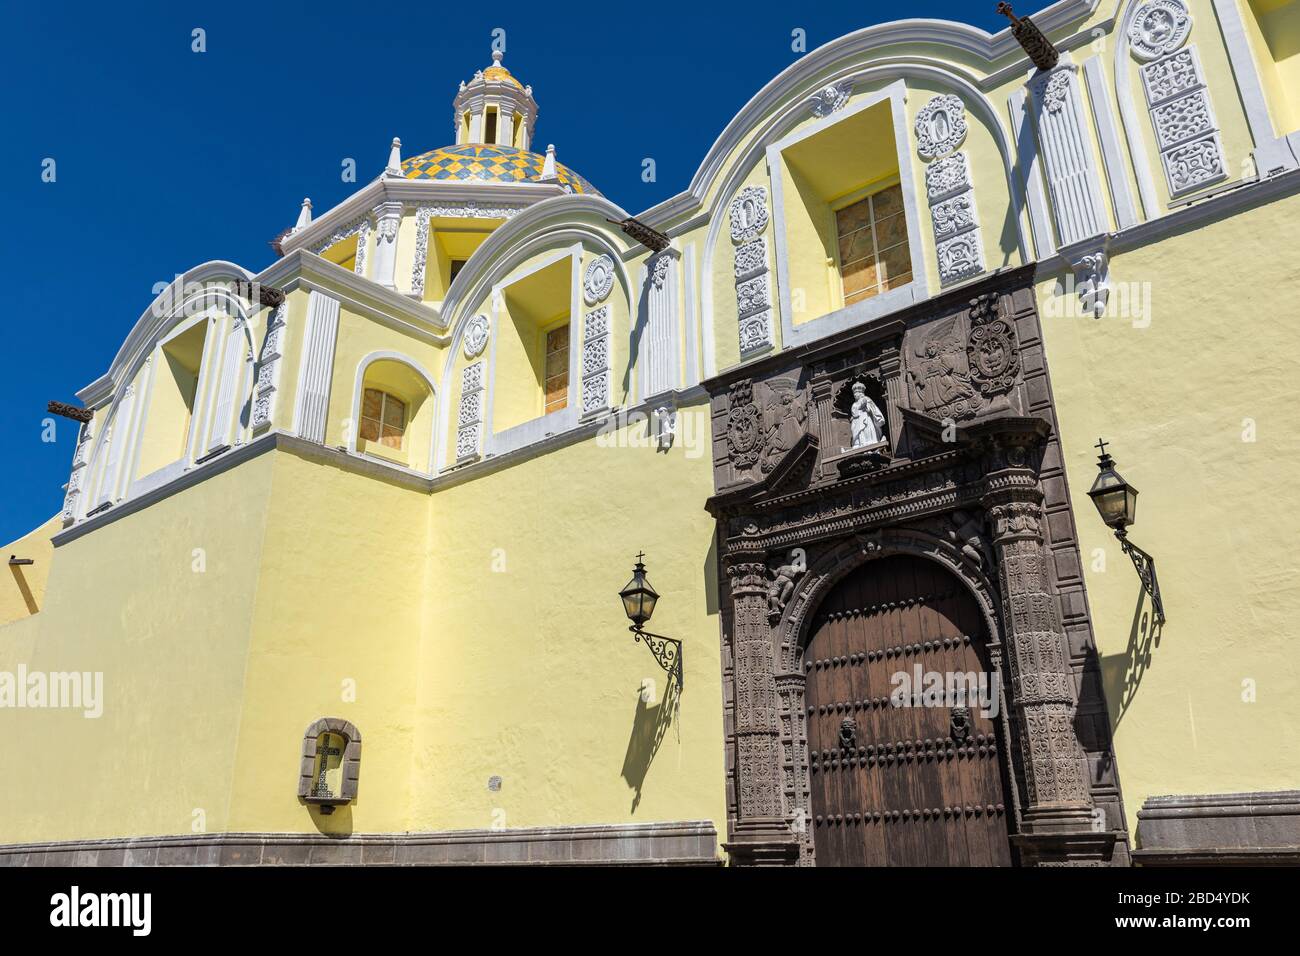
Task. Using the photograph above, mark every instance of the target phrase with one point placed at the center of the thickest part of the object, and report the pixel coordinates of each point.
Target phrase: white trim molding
(1273, 154)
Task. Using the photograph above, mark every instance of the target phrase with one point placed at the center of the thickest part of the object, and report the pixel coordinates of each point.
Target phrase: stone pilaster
(891, 374)
(1059, 808)
(762, 835)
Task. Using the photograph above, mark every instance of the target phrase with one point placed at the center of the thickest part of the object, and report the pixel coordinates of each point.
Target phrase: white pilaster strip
(1031, 173)
(317, 368)
(1099, 98)
(227, 385)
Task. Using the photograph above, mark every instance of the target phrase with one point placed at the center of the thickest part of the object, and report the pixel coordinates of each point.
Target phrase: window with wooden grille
(557, 369)
(383, 418)
(873, 253)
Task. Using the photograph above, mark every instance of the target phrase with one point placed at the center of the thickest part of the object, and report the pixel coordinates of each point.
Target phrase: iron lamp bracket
(1145, 565)
(667, 652)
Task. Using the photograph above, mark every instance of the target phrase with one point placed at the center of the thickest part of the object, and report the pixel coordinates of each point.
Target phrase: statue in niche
(867, 422)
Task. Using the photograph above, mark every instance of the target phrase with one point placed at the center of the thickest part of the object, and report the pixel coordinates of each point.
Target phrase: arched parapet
(189, 293)
(790, 280)
(560, 263)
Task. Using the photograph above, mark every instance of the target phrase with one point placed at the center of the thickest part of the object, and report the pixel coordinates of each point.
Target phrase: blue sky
(167, 158)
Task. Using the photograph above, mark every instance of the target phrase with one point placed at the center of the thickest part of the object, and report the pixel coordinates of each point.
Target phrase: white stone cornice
(306, 270)
(414, 192)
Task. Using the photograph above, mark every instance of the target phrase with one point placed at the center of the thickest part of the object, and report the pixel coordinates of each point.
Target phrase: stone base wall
(1224, 829)
(652, 844)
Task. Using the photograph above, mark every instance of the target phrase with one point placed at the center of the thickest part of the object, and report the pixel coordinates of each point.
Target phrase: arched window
(330, 764)
(394, 411)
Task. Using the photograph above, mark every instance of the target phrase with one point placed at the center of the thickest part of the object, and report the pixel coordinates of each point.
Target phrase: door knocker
(959, 724)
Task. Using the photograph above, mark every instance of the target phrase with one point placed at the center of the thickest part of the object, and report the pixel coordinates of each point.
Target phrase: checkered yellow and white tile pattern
(495, 164)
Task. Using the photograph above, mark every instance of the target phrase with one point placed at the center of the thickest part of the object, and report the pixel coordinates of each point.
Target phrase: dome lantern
(495, 109)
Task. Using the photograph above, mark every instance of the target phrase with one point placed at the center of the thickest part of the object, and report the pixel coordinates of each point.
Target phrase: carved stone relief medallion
(598, 279)
(476, 336)
(940, 126)
(1159, 28)
(748, 213)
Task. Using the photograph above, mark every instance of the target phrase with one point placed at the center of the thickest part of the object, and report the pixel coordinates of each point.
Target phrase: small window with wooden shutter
(556, 369)
(383, 418)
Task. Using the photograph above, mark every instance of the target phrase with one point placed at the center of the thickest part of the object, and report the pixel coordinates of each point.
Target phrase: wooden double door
(920, 785)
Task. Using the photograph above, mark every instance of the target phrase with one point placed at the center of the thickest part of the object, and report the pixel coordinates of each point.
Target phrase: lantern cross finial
(640, 555)
(1101, 446)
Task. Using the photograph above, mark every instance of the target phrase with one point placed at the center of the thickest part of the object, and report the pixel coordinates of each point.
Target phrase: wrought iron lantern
(639, 600)
(1116, 502)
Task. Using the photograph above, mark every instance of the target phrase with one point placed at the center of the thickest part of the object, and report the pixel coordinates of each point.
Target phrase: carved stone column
(820, 417)
(761, 836)
(891, 374)
(1057, 819)
(794, 760)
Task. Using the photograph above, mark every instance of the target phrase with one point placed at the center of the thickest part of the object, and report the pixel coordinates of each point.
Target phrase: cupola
(495, 109)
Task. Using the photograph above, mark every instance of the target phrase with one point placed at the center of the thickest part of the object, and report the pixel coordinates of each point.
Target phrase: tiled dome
(477, 163)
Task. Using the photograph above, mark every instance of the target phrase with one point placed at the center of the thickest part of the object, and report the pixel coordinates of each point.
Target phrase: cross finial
(639, 556)
(1101, 446)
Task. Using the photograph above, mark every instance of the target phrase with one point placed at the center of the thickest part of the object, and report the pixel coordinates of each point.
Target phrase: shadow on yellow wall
(1122, 673)
(649, 727)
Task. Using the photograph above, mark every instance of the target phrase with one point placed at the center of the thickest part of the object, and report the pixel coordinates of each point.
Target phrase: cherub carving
(782, 586)
(967, 533)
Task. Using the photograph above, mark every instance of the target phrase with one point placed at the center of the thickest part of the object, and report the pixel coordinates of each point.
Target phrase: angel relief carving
(787, 418)
(764, 421)
(965, 365)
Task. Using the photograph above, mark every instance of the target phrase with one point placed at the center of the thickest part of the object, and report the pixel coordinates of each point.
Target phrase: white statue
(868, 423)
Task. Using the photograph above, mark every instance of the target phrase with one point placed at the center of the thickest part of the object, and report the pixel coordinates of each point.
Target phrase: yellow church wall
(528, 671)
(1198, 407)
(22, 592)
(159, 602)
(336, 629)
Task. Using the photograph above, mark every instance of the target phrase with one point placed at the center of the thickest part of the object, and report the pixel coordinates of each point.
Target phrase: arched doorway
(918, 785)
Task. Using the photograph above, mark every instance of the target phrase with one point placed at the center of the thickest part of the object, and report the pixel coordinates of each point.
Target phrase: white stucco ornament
(476, 336)
(748, 212)
(1159, 28)
(598, 279)
(940, 126)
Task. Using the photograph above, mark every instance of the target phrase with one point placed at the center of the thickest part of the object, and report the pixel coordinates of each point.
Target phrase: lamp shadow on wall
(1122, 674)
(24, 588)
(649, 727)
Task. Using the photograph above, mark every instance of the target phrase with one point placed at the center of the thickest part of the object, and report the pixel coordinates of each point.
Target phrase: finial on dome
(548, 168)
(394, 159)
(304, 216)
(498, 56)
